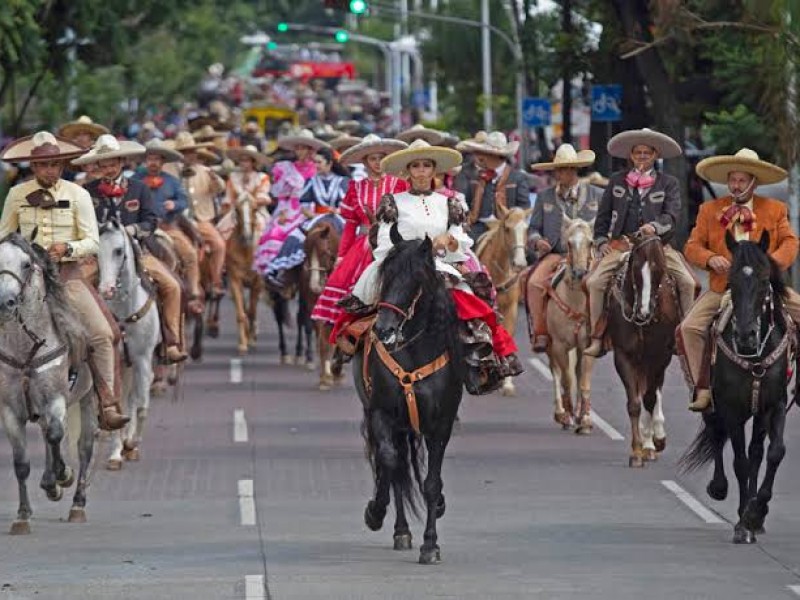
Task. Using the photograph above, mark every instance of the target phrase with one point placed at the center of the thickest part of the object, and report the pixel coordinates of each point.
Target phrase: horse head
(514, 223)
(577, 235)
(647, 268)
(114, 258)
(245, 216)
(753, 278)
(321, 247)
(20, 271)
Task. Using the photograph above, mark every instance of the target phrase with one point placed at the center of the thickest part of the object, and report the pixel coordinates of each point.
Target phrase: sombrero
(236, 154)
(371, 144)
(326, 133)
(83, 124)
(716, 168)
(495, 143)
(207, 133)
(566, 156)
(41, 146)
(350, 126)
(303, 138)
(420, 132)
(344, 142)
(444, 158)
(209, 157)
(185, 142)
(156, 146)
(107, 147)
(621, 144)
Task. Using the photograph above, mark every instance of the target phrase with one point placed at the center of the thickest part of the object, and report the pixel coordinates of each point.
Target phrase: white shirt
(738, 230)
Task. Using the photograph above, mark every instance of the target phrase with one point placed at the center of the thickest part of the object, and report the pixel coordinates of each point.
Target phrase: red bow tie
(641, 181)
(738, 212)
(110, 189)
(153, 181)
(488, 175)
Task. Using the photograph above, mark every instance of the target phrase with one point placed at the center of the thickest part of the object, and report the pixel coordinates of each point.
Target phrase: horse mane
(750, 253)
(136, 248)
(487, 237)
(189, 229)
(405, 265)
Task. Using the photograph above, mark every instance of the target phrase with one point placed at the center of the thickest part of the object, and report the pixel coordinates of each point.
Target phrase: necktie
(111, 189)
(488, 175)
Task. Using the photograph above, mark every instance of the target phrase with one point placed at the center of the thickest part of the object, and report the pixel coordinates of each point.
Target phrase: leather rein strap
(405, 379)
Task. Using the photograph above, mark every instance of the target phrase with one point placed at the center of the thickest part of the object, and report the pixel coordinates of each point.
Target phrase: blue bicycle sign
(536, 112)
(606, 103)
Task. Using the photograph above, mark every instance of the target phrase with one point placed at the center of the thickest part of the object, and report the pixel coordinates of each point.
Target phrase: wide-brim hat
(207, 133)
(199, 121)
(303, 138)
(344, 142)
(371, 144)
(326, 133)
(107, 147)
(717, 168)
(566, 157)
(83, 124)
(420, 132)
(236, 154)
(185, 142)
(444, 158)
(157, 146)
(209, 157)
(495, 143)
(621, 144)
(41, 146)
(351, 126)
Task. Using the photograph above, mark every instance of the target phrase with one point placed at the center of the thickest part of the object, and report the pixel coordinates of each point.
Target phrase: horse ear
(764, 241)
(502, 211)
(566, 222)
(730, 241)
(394, 235)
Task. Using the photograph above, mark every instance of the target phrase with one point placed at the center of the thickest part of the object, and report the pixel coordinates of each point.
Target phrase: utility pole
(566, 73)
(486, 47)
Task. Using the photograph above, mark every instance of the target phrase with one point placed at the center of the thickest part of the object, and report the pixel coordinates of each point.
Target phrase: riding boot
(169, 300)
(702, 400)
(354, 305)
(541, 337)
(109, 414)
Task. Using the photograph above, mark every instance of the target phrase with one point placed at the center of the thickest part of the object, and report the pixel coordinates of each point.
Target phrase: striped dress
(357, 209)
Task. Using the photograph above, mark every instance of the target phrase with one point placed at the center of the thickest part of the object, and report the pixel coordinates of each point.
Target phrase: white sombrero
(444, 158)
(420, 132)
(495, 143)
(303, 138)
(236, 154)
(41, 146)
(344, 142)
(566, 157)
(83, 124)
(717, 168)
(185, 142)
(207, 133)
(107, 147)
(157, 146)
(371, 144)
(621, 144)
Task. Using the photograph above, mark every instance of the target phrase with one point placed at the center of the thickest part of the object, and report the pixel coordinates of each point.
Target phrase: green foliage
(730, 131)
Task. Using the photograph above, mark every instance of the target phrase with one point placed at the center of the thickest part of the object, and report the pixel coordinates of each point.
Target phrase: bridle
(407, 314)
(767, 306)
(632, 315)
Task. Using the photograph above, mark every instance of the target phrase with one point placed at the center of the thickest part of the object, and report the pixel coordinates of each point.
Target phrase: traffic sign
(606, 103)
(536, 112)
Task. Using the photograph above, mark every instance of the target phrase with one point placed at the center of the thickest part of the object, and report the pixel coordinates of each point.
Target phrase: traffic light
(342, 36)
(358, 7)
(272, 46)
(283, 27)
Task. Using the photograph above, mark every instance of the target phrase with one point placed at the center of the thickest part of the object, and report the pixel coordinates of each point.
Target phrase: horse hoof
(649, 455)
(69, 478)
(563, 418)
(287, 359)
(717, 492)
(114, 465)
(325, 387)
(310, 366)
(441, 506)
(742, 535)
(660, 444)
(372, 520)
(213, 331)
(20, 528)
(402, 541)
(759, 530)
(159, 388)
(172, 379)
(76, 515)
(509, 391)
(196, 353)
(55, 493)
(430, 556)
(584, 429)
(131, 455)
(635, 462)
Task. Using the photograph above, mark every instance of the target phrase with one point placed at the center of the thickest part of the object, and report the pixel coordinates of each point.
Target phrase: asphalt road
(256, 489)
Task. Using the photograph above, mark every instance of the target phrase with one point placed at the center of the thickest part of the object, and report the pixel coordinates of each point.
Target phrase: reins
(628, 311)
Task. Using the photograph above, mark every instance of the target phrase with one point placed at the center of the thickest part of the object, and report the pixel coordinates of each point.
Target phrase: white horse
(38, 333)
(132, 302)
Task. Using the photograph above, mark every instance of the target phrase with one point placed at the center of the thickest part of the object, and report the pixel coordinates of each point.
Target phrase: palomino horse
(502, 251)
(239, 265)
(568, 324)
(321, 247)
(132, 302)
(409, 379)
(749, 380)
(643, 313)
(37, 332)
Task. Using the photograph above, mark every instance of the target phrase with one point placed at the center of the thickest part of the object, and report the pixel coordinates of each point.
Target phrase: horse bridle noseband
(618, 288)
(407, 314)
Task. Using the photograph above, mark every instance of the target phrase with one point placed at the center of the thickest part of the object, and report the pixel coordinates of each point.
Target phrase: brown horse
(643, 313)
(239, 265)
(321, 248)
(502, 251)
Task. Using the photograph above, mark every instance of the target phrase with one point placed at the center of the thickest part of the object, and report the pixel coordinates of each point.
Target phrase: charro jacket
(548, 214)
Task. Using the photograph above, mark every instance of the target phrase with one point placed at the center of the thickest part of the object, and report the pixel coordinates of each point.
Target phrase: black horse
(409, 379)
(749, 379)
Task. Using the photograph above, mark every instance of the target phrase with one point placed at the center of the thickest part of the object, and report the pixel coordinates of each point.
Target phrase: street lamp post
(486, 47)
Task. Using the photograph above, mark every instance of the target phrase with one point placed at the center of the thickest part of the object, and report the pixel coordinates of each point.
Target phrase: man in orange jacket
(746, 216)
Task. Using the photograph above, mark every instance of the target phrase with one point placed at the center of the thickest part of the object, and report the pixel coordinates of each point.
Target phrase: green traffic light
(358, 7)
(272, 46)
(283, 27)
(342, 36)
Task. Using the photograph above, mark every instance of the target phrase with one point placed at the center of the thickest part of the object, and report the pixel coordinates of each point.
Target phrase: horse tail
(280, 308)
(708, 442)
(408, 472)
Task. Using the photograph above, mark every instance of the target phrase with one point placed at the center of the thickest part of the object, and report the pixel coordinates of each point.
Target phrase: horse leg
(323, 352)
(298, 319)
(586, 363)
(196, 351)
(758, 506)
(237, 293)
(15, 431)
(55, 468)
(252, 313)
(659, 429)
(741, 466)
(278, 310)
(380, 439)
(308, 330)
(630, 379)
(646, 425)
(559, 364)
(429, 553)
(138, 405)
(402, 533)
(77, 513)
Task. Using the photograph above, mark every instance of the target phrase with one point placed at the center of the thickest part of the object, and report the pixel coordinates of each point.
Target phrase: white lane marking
(543, 369)
(692, 503)
(254, 587)
(606, 427)
(239, 426)
(236, 370)
(795, 589)
(247, 505)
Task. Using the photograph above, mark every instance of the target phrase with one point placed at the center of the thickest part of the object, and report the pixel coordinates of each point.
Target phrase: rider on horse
(570, 197)
(115, 196)
(419, 213)
(746, 216)
(640, 201)
(58, 215)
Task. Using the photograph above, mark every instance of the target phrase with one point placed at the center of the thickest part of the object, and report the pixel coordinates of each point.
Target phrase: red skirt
(341, 282)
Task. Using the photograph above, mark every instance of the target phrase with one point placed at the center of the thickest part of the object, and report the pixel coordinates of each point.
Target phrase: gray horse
(132, 301)
(39, 334)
